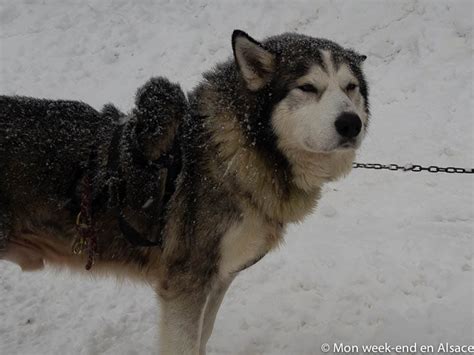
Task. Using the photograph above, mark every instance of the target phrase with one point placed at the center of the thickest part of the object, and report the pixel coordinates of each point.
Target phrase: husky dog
(263, 132)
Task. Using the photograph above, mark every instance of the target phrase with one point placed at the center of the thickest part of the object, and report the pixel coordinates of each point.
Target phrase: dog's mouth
(348, 143)
(343, 144)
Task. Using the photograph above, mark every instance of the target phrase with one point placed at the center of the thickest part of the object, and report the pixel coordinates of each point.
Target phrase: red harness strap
(87, 238)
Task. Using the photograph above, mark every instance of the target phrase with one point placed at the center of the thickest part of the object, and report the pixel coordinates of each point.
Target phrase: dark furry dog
(48, 148)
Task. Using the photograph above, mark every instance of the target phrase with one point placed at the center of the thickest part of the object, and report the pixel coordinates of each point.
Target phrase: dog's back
(44, 142)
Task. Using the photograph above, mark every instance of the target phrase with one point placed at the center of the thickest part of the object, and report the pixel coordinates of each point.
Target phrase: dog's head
(319, 97)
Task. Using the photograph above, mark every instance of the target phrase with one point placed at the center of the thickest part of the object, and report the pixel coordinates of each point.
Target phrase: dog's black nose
(348, 125)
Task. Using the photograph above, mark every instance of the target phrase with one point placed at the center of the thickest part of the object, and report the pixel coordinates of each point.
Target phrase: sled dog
(182, 193)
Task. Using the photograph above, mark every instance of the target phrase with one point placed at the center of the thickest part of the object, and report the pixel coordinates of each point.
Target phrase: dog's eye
(351, 87)
(308, 88)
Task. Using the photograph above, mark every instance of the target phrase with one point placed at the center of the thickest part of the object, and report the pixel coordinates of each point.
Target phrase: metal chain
(413, 167)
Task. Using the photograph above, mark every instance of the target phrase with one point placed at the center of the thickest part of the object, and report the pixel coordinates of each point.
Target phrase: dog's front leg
(181, 323)
(214, 301)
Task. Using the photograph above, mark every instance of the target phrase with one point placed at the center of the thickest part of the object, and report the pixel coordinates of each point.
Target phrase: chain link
(413, 167)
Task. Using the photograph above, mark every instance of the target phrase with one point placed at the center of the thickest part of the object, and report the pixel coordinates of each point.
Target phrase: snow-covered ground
(387, 257)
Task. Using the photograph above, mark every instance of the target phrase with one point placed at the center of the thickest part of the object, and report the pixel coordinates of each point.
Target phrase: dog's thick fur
(258, 142)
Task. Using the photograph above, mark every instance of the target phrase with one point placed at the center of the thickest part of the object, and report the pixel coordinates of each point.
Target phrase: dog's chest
(246, 242)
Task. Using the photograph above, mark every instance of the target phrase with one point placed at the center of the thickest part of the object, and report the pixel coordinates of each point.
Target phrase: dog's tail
(160, 109)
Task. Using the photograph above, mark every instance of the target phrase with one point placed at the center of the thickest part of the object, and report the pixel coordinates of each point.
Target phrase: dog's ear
(256, 64)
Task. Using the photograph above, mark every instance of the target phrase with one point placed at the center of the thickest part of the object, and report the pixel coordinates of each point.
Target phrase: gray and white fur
(264, 131)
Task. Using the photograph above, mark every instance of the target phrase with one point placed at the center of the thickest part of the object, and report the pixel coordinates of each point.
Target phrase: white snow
(387, 257)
